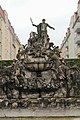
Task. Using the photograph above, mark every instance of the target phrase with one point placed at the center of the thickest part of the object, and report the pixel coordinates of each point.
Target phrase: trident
(31, 20)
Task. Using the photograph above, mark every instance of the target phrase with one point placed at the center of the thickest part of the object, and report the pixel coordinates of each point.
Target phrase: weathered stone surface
(39, 84)
(40, 113)
(41, 118)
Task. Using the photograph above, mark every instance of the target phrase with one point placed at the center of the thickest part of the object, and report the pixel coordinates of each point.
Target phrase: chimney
(68, 30)
(66, 34)
(75, 15)
(78, 4)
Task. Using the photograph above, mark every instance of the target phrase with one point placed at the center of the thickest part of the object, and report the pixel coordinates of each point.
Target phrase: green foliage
(71, 62)
(5, 63)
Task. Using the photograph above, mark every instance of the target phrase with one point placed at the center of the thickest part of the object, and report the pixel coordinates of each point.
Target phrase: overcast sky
(56, 12)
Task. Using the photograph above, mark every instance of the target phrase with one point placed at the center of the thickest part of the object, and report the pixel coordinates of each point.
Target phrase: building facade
(9, 42)
(70, 47)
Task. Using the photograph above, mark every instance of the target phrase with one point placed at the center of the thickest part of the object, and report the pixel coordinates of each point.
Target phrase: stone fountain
(39, 80)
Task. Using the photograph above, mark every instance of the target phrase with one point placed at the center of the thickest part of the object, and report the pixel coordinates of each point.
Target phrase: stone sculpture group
(39, 77)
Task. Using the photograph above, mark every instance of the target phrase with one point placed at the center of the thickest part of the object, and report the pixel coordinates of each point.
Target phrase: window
(78, 45)
(67, 56)
(66, 48)
(78, 56)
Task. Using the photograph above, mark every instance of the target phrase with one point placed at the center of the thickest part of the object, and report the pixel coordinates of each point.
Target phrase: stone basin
(38, 66)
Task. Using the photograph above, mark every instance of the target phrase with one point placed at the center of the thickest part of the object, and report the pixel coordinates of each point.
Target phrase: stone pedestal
(42, 114)
(41, 118)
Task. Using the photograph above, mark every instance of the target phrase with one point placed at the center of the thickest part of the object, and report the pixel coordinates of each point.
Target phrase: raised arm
(32, 22)
(34, 25)
(50, 27)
